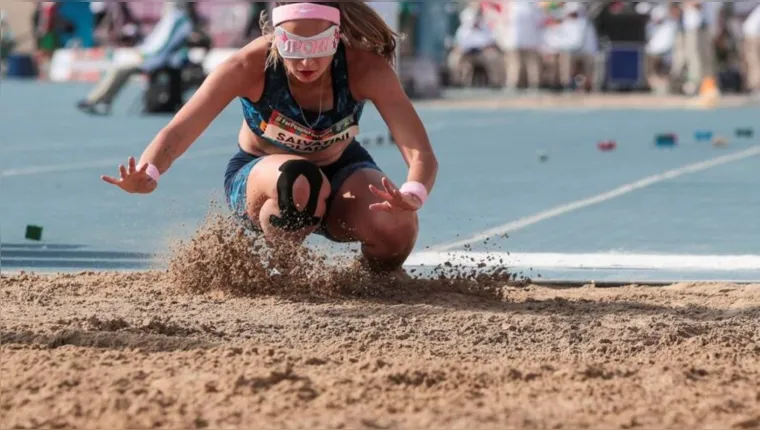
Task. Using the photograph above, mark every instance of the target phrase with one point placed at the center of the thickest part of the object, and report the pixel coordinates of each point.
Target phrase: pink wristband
(153, 172)
(416, 189)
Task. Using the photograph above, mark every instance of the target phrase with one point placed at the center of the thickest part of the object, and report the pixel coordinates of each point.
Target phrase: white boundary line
(590, 261)
(535, 261)
(599, 198)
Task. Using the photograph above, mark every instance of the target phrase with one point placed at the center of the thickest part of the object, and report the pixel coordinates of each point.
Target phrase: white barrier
(89, 65)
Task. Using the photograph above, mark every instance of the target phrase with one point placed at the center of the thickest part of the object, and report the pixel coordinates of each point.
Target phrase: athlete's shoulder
(366, 61)
(253, 56)
(244, 69)
(366, 69)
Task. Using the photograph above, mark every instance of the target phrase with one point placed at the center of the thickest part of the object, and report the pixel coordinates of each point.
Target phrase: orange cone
(708, 87)
(709, 93)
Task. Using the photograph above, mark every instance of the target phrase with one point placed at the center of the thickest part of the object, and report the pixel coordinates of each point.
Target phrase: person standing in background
(520, 39)
(694, 45)
(474, 46)
(751, 50)
(551, 43)
(661, 35)
(578, 48)
(677, 54)
(8, 39)
(48, 27)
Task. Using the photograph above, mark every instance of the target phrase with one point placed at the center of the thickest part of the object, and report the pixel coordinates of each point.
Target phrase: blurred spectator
(115, 23)
(728, 50)
(162, 47)
(751, 48)
(661, 36)
(7, 39)
(99, 11)
(694, 50)
(474, 48)
(579, 46)
(552, 40)
(520, 40)
(48, 26)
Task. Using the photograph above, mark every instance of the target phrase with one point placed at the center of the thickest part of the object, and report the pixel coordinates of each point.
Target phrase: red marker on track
(606, 145)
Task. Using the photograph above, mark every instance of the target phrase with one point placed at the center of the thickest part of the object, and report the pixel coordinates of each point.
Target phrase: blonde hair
(360, 27)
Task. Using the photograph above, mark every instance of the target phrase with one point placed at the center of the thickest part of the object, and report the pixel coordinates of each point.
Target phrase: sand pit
(154, 350)
(100, 350)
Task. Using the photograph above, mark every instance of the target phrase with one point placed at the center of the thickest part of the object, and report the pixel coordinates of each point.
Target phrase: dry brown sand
(142, 350)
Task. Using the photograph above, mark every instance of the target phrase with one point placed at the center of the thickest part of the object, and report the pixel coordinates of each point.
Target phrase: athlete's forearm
(166, 147)
(423, 168)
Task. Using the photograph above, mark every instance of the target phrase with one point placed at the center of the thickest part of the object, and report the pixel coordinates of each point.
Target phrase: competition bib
(297, 137)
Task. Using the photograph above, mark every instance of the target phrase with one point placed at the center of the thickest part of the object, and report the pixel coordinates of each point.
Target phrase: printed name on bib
(295, 136)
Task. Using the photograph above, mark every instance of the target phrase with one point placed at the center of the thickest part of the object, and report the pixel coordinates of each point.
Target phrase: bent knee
(302, 194)
(299, 195)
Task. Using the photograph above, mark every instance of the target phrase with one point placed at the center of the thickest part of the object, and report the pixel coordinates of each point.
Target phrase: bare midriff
(259, 146)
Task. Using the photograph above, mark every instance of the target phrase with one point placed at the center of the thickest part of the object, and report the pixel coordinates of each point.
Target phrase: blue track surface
(51, 157)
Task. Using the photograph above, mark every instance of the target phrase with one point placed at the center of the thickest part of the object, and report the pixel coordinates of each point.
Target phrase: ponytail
(365, 29)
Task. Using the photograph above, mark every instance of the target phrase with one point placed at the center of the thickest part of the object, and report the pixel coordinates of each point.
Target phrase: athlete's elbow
(428, 163)
(429, 160)
(432, 162)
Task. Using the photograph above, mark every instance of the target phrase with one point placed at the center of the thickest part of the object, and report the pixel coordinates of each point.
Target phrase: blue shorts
(355, 157)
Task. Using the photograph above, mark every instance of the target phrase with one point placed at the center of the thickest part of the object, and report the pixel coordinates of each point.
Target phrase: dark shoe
(96, 108)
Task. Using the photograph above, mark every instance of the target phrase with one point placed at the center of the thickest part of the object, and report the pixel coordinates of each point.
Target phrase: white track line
(599, 198)
(596, 261)
(535, 261)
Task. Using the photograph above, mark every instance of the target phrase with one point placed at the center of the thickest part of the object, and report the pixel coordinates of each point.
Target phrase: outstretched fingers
(380, 193)
(110, 180)
(132, 166)
(392, 190)
(381, 207)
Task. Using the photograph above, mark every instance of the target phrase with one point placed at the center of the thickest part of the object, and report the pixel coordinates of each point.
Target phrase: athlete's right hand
(133, 180)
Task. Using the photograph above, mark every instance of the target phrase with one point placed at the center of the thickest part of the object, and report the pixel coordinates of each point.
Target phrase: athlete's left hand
(395, 200)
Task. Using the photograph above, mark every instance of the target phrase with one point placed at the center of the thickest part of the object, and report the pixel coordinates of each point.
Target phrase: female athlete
(299, 169)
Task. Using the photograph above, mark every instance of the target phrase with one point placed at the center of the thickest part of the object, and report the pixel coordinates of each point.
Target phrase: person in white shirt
(160, 48)
(694, 50)
(661, 35)
(580, 44)
(474, 45)
(520, 37)
(552, 40)
(751, 48)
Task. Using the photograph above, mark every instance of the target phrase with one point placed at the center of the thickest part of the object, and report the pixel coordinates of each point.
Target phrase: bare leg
(262, 201)
(387, 238)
